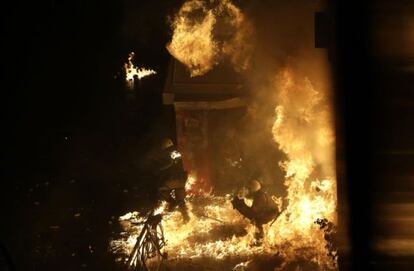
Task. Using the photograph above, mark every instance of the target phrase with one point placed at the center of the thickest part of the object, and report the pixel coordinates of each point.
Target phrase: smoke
(206, 32)
(288, 127)
(284, 50)
(290, 100)
(303, 129)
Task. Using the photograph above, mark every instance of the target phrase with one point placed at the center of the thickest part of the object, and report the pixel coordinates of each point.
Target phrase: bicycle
(146, 254)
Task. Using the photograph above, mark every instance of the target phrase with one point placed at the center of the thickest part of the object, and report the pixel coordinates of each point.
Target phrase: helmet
(254, 186)
(166, 143)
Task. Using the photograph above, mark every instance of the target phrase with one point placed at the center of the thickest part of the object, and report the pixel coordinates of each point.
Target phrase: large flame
(302, 129)
(304, 132)
(200, 45)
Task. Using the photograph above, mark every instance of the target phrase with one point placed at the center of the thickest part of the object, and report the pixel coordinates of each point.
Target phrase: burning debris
(132, 71)
(204, 32)
(329, 230)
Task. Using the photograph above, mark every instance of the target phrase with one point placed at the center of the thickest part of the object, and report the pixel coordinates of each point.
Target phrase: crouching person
(262, 211)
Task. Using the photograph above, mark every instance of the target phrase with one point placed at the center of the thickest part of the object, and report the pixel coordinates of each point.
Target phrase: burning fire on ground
(301, 237)
(303, 230)
(304, 132)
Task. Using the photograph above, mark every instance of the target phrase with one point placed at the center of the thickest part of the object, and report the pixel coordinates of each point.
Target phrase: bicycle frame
(148, 244)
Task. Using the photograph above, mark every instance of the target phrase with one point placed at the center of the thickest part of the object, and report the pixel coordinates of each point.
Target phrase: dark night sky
(61, 57)
(60, 61)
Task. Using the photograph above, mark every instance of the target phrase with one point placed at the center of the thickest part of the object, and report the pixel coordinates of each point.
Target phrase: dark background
(373, 59)
(73, 134)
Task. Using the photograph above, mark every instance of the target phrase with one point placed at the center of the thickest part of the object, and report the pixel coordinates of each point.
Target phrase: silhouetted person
(262, 210)
(171, 176)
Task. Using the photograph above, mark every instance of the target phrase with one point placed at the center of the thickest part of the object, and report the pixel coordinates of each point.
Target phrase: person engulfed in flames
(262, 210)
(171, 176)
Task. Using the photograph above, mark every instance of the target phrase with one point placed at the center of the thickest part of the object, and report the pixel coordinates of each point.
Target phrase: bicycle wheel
(134, 262)
(152, 256)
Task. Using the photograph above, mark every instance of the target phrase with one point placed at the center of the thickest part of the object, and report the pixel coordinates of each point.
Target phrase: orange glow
(132, 71)
(196, 46)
